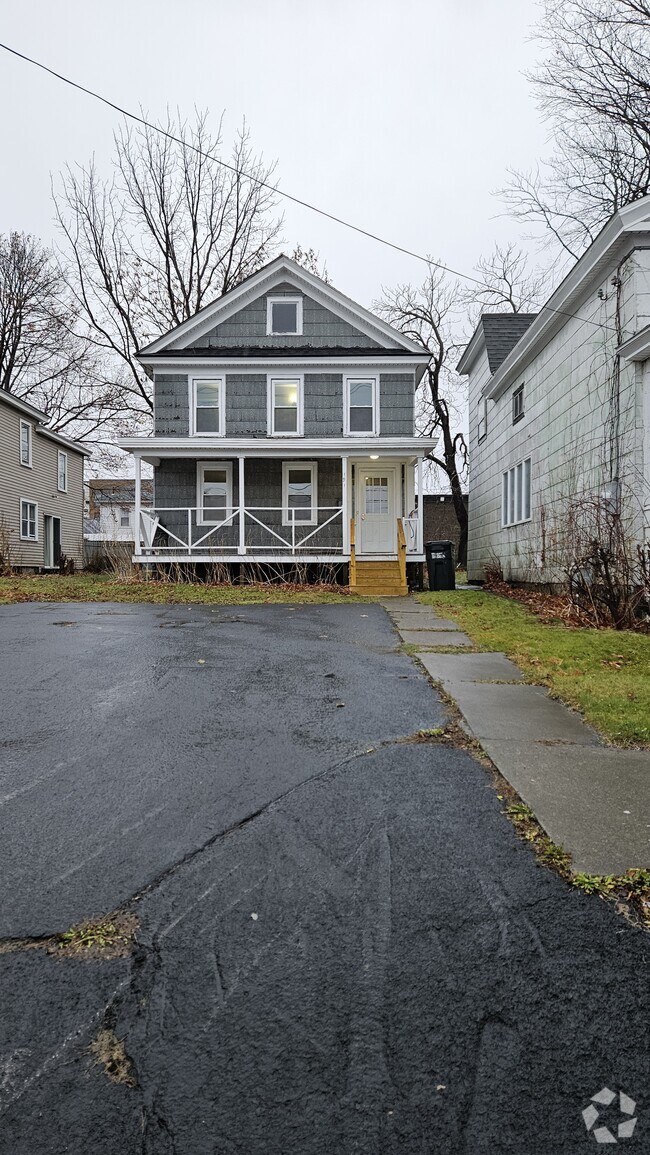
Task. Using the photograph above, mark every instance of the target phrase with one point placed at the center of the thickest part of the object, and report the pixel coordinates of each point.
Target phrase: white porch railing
(176, 531)
(413, 534)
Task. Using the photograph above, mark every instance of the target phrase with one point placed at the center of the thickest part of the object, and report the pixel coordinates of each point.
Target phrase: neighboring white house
(110, 508)
(559, 409)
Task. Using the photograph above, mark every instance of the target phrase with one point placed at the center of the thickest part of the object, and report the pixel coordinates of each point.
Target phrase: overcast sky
(400, 115)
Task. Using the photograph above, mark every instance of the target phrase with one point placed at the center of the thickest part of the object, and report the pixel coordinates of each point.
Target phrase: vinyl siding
(38, 484)
(564, 432)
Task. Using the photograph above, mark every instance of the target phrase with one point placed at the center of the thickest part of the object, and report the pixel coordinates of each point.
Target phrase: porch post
(420, 544)
(242, 520)
(138, 528)
(344, 502)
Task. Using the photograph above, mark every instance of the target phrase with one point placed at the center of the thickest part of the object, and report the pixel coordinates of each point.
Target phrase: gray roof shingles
(502, 331)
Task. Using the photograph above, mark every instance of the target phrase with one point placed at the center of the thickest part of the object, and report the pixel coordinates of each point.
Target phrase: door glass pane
(377, 495)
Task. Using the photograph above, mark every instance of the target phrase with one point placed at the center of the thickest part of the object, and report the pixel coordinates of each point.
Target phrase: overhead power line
(271, 187)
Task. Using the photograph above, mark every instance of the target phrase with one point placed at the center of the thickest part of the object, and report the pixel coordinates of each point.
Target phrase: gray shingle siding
(321, 328)
(246, 404)
(396, 404)
(171, 405)
(176, 485)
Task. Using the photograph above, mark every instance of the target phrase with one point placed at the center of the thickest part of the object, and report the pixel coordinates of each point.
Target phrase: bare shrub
(608, 576)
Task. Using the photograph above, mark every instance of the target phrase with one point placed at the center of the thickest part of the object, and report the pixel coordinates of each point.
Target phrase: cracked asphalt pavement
(343, 946)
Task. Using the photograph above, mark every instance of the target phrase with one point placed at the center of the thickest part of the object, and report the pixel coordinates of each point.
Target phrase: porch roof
(152, 448)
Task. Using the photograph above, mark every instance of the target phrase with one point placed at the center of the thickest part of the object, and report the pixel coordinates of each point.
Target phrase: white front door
(376, 527)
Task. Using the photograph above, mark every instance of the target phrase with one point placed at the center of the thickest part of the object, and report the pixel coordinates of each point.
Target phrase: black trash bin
(440, 564)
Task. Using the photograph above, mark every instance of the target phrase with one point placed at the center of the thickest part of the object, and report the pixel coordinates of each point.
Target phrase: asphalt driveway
(342, 947)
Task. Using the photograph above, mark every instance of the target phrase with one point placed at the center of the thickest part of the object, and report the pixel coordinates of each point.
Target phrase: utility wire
(273, 188)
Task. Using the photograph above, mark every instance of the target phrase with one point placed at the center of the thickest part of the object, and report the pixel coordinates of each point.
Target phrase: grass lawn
(103, 588)
(605, 674)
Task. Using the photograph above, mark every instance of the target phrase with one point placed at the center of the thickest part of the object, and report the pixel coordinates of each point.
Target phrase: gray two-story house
(284, 433)
(41, 490)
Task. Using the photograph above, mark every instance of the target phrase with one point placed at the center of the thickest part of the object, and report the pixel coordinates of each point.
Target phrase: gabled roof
(497, 333)
(278, 271)
(40, 422)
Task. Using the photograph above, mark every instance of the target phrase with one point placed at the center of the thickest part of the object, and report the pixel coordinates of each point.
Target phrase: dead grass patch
(108, 1052)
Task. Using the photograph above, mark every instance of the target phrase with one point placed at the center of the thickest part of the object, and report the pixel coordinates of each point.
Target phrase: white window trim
(28, 501)
(347, 432)
(312, 466)
(518, 392)
(29, 427)
(507, 500)
(201, 466)
(283, 300)
(284, 379)
(61, 455)
(194, 381)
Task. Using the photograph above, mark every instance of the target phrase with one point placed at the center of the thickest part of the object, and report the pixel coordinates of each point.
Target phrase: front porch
(243, 508)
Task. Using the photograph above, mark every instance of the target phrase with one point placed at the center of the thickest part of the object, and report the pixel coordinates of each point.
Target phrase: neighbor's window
(517, 404)
(62, 473)
(125, 518)
(483, 418)
(286, 405)
(29, 520)
(25, 443)
(361, 405)
(284, 316)
(208, 406)
(516, 495)
(299, 498)
(214, 492)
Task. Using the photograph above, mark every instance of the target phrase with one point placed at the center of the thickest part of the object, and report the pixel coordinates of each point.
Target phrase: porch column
(420, 540)
(242, 520)
(344, 502)
(138, 488)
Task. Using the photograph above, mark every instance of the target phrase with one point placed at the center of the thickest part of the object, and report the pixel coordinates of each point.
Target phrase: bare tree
(506, 283)
(44, 358)
(426, 314)
(170, 232)
(594, 88)
(310, 260)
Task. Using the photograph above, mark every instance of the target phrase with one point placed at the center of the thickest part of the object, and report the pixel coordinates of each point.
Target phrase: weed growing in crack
(108, 1052)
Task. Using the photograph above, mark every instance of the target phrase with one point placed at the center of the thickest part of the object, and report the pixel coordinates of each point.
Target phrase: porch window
(62, 473)
(283, 316)
(299, 496)
(214, 492)
(285, 404)
(29, 521)
(207, 406)
(361, 408)
(25, 443)
(516, 494)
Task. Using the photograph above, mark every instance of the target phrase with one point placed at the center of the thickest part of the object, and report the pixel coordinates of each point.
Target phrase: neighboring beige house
(559, 412)
(41, 489)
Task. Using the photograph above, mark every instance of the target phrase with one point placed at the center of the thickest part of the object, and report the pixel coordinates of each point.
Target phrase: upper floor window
(29, 520)
(361, 406)
(299, 499)
(214, 492)
(208, 406)
(284, 316)
(125, 518)
(516, 494)
(25, 443)
(62, 473)
(285, 406)
(517, 404)
(483, 418)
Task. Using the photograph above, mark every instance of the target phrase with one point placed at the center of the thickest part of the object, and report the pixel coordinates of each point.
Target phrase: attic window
(284, 316)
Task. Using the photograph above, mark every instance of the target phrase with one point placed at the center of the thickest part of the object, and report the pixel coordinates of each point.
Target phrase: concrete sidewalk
(592, 799)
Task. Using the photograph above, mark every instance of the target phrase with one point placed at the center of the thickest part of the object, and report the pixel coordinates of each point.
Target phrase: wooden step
(378, 579)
